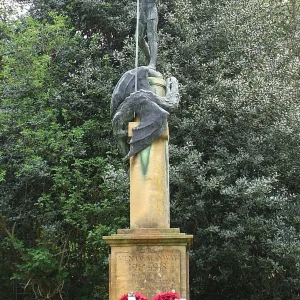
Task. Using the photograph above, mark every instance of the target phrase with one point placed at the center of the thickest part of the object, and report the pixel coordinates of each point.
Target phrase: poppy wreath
(138, 296)
(166, 296)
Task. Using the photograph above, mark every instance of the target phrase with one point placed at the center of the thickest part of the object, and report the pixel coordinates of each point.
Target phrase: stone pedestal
(148, 261)
(149, 185)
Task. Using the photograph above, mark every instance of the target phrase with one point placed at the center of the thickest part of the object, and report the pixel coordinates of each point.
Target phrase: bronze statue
(133, 95)
(148, 21)
(151, 108)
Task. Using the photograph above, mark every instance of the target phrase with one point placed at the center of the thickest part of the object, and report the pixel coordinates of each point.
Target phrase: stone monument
(150, 257)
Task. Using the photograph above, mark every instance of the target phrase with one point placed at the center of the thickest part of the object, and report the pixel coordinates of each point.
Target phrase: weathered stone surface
(150, 266)
(149, 178)
(149, 186)
(148, 261)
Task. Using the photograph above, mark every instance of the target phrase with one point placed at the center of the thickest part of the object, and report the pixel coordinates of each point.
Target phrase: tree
(238, 137)
(59, 185)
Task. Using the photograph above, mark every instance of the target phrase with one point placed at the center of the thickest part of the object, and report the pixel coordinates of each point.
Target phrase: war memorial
(149, 257)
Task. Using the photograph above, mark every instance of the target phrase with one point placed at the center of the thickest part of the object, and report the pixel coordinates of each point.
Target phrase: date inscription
(149, 271)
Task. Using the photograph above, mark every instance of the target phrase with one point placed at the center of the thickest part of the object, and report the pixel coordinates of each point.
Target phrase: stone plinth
(149, 185)
(148, 261)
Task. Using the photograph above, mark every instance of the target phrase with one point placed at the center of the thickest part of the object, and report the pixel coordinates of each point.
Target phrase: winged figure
(152, 110)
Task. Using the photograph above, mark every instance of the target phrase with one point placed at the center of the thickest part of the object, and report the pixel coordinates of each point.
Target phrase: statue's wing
(153, 123)
(126, 86)
(153, 120)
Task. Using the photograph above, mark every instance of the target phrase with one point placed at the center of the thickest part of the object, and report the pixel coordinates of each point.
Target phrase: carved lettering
(149, 270)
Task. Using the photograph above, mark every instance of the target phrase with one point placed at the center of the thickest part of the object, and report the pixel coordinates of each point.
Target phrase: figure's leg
(153, 41)
(142, 42)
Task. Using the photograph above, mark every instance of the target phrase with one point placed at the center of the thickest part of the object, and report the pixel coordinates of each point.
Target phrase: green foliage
(60, 185)
(41, 268)
(239, 137)
(112, 20)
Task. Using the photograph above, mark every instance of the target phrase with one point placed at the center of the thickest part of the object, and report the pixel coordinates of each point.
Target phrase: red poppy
(138, 296)
(166, 296)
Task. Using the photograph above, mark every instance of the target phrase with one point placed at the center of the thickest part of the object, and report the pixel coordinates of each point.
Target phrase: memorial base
(148, 261)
